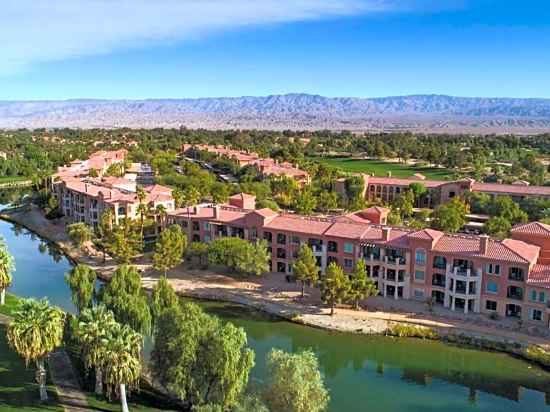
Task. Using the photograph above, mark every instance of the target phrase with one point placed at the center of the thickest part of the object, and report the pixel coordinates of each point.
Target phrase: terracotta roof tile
(539, 276)
(533, 228)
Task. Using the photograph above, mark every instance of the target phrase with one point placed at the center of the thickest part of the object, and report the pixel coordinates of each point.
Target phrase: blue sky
(56, 49)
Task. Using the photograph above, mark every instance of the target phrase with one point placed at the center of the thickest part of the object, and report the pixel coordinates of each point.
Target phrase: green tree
(198, 251)
(505, 207)
(92, 331)
(220, 193)
(122, 361)
(404, 204)
(361, 286)
(418, 190)
(125, 242)
(305, 202)
(498, 226)
(125, 297)
(7, 266)
(163, 297)
(169, 249)
(199, 358)
(35, 331)
(105, 231)
(79, 233)
(327, 200)
(334, 286)
(305, 267)
(295, 383)
(81, 280)
(451, 216)
(239, 254)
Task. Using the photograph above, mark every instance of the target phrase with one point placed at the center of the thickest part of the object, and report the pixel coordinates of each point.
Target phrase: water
(362, 373)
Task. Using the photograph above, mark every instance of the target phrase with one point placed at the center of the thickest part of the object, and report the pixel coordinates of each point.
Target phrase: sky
(134, 49)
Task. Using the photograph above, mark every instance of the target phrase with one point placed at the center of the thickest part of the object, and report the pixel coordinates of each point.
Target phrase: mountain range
(426, 113)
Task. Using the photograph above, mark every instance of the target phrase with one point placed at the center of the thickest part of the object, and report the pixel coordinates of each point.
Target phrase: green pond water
(362, 373)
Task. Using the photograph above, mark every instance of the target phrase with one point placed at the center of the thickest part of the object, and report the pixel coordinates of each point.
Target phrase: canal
(362, 373)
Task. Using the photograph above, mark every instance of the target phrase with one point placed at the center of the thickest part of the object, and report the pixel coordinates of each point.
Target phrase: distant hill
(433, 113)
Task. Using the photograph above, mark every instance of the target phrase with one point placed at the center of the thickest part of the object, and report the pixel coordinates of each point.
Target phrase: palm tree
(178, 196)
(143, 210)
(80, 233)
(122, 360)
(160, 210)
(35, 331)
(191, 197)
(6, 267)
(92, 332)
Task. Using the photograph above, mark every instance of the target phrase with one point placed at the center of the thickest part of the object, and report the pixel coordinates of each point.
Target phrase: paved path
(63, 376)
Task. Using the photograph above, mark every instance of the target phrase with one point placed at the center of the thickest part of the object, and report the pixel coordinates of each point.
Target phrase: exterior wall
(409, 277)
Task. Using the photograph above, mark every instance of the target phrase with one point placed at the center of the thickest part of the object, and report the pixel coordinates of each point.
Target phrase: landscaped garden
(381, 168)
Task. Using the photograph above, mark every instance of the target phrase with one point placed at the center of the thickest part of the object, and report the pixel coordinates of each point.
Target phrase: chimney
(386, 233)
(195, 210)
(483, 244)
(86, 187)
(216, 212)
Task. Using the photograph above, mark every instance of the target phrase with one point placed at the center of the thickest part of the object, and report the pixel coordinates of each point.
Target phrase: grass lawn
(381, 168)
(146, 400)
(8, 179)
(18, 390)
(10, 306)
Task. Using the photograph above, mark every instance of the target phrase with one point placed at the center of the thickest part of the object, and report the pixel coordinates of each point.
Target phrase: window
(534, 295)
(207, 238)
(348, 263)
(492, 287)
(418, 294)
(438, 280)
(420, 257)
(452, 194)
(542, 297)
(440, 262)
(492, 269)
(516, 274)
(535, 314)
(348, 247)
(490, 305)
(196, 226)
(419, 275)
(268, 236)
(332, 259)
(515, 293)
(295, 240)
(206, 225)
(332, 246)
(281, 239)
(281, 253)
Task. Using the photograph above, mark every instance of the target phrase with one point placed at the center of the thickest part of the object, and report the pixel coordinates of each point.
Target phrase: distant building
(83, 198)
(266, 166)
(441, 191)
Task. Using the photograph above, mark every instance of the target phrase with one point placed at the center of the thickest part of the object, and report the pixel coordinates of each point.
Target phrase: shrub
(411, 331)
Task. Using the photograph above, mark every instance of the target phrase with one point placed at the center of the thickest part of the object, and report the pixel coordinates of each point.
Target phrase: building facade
(83, 198)
(441, 191)
(508, 278)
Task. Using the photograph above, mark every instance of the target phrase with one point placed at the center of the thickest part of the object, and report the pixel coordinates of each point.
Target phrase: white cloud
(35, 31)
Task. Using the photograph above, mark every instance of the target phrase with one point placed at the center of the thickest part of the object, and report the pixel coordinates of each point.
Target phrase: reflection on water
(363, 373)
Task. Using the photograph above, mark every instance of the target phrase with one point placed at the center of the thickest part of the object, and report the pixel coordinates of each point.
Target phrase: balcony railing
(395, 260)
(515, 296)
(438, 282)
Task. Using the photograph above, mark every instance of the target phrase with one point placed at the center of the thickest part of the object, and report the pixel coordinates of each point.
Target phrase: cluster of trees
(7, 266)
(336, 287)
(240, 255)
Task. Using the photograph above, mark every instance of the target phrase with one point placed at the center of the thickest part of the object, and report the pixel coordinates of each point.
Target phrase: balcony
(395, 261)
(460, 271)
(514, 295)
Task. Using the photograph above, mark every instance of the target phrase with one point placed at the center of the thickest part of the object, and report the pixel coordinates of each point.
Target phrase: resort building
(508, 278)
(266, 166)
(441, 191)
(83, 198)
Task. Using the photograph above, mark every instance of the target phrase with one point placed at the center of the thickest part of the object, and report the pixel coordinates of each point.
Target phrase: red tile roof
(403, 182)
(533, 228)
(299, 224)
(427, 234)
(539, 276)
(512, 189)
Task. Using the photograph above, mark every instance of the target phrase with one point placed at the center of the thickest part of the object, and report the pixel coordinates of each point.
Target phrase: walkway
(63, 376)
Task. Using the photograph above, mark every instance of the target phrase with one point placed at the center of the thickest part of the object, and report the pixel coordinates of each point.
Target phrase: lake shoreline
(197, 288)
